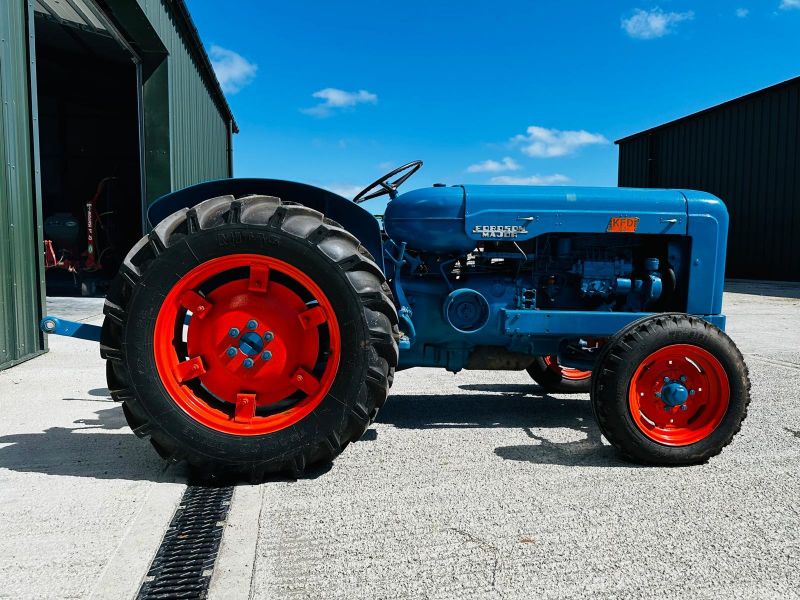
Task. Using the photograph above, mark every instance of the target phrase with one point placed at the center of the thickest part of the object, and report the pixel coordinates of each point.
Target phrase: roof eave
(766, 90)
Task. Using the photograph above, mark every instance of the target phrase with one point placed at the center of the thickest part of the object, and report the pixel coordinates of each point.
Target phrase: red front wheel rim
(679, 395)
(566, 372)
(247, 344)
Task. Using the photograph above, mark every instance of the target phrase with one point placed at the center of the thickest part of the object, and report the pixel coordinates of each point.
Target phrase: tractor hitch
(58, 326)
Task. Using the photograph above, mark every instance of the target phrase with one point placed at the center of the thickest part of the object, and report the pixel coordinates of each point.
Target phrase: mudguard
(349, 215)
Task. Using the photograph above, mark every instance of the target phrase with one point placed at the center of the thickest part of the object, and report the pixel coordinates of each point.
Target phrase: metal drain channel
(184, 561)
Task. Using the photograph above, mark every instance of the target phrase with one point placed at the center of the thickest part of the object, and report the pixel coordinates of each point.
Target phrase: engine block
(457, 299)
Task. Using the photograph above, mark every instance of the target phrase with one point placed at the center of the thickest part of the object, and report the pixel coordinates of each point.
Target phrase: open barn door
(89, 132)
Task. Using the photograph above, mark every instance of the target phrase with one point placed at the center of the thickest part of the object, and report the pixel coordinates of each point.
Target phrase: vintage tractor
(258, 327)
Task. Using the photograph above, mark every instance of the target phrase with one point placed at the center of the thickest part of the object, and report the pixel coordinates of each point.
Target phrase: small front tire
(670, 389)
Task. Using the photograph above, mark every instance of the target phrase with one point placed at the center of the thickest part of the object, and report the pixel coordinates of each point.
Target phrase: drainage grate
(184, 561)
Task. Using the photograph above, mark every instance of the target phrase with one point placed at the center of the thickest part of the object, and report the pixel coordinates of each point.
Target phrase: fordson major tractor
(258, 327)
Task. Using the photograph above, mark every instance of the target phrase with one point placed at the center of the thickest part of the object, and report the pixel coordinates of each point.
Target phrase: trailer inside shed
(89, 134)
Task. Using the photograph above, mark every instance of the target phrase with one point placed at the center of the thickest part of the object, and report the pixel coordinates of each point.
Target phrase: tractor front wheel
(249, 337)
(670, 389)
(555, 378)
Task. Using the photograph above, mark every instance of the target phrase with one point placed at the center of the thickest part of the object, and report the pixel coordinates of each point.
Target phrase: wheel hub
(674, 393)
(265, 338)
(251, 343)
(252, 316)
(679, 395)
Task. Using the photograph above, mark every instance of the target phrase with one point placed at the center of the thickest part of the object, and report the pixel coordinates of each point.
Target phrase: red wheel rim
(566, 372)
(247, 344)
(679, 395)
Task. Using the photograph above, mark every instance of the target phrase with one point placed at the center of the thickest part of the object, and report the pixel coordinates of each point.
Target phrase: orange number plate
(623, 224)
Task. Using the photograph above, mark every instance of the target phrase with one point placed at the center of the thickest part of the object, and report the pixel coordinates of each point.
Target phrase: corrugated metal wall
(199, 133)
(747, 152)
(20, 234)
(198, 148)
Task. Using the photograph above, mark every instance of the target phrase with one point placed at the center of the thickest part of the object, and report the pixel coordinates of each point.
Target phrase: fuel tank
(454, 219)
(430, 220)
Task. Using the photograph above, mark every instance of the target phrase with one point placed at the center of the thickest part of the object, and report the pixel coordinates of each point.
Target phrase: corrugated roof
(70, 12)
(82, 14)
(764, 91)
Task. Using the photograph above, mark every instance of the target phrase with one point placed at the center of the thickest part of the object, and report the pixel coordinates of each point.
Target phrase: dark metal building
(747, 152)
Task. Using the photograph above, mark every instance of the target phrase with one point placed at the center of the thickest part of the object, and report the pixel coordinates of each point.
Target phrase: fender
(349, 215)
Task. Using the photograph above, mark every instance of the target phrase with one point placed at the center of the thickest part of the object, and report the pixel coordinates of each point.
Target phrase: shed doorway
(89, 144)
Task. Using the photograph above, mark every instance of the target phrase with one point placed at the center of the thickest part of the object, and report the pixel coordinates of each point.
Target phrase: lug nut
(692, 392)
(248, 362)
(268, 337)
(658, 394)
(683, 378)
(666, 379)
(252, 324)
(233, 332)
(266, 355)
(231, 352)
(684, 407)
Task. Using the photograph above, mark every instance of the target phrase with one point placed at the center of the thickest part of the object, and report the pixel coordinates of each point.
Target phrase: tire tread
(612, 357)
(295, 219)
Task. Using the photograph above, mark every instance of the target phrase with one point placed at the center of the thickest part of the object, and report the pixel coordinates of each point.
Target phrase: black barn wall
(747, 152)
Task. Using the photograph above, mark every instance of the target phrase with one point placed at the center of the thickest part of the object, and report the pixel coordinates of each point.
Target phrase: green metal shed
(95, 90)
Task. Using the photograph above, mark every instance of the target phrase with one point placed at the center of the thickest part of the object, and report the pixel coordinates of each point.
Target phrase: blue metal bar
(576, 323)
(58, 326)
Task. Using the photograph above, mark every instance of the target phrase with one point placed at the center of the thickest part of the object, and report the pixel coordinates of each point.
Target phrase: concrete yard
(476, 485)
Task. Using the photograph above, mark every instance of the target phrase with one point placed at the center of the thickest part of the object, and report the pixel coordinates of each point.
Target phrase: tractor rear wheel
(554, 378)
(670, 389)
(249, 337)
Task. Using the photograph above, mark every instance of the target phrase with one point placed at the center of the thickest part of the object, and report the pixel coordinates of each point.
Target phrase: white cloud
(742, 12)
(334, 99)
(655, 23)
(493, 166)
(233, 70)
(789, 4)
(343, 189)
(553, 179)
(541, 142)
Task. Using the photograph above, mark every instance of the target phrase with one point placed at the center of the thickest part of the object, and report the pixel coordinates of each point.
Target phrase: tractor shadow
(104, 447)
(101, 448)
(513, 407)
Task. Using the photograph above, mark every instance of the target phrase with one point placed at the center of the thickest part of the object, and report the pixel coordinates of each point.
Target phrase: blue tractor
(258, 327)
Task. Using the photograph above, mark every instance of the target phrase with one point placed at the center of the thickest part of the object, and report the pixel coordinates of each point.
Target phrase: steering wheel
(387, 187)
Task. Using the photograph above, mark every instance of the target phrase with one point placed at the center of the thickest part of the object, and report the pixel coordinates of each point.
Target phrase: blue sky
(335, 93)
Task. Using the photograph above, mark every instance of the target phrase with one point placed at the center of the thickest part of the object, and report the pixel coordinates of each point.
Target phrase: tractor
(257, 328)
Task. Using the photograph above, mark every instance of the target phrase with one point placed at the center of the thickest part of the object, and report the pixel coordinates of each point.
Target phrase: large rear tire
(249, 337)
(670, 389)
